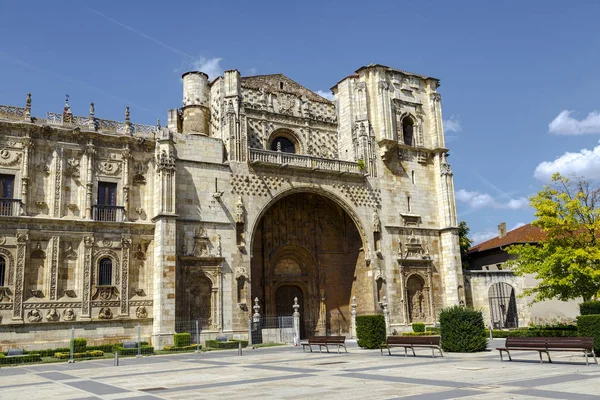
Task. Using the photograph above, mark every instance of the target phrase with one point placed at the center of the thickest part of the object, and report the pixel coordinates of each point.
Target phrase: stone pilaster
(126, 181)
(22, 240)
(58, 179)
(164, 280)
(90, 152)
(125, 258)
(27, 146)
(55, 259)
(88, 268)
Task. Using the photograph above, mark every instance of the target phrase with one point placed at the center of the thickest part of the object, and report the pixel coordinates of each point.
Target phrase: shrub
(183, 348)
(79, 345)
(589, 326)
(370, 331)
(107, 348)
(26, 358)
(589, 308)
(418, 327)
(182, 339)
(432, 329)
(232, 344)
(426, 333)
(498, 334)
(462, 330)
(50, 352)
(145, 350)
(85, 354)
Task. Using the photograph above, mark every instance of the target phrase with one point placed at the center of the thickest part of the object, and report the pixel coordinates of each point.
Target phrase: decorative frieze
(22, 240)
(54, 266)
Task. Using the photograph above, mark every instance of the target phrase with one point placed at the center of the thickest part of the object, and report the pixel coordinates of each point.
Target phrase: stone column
(126, 164)
(353, 318)
(88, 267)
(125, 256)
(27, 146)
(90, 151)
(164, 282)
(22, 240)
(296, 316)
(58, 179)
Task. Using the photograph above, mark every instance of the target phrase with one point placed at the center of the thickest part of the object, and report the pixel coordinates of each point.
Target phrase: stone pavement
(288, 373)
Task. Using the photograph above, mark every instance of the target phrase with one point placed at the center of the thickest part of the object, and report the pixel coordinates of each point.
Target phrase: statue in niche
(218, 249)
(417, 305)
(376, 222)
(239, 211)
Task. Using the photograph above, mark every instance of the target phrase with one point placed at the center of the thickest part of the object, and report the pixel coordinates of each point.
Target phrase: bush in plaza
(432, 329)
(182, 348)
(231, 344)
(182, 339)
(462, 330)
(24, 359)
(145, 350)
(85, 354)
(589, 326)
(532, 332)
(370, 331)
(418, 327)
(589, 308)
(79, 345)
(426, 333)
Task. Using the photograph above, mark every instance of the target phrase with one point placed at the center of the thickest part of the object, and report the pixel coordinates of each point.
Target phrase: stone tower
(196, 114)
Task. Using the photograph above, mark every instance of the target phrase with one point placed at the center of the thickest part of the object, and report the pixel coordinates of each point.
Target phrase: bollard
(491, 335)
(116, 361)
(197, 338)
(139, 354)
(239, 348)
(72, 349)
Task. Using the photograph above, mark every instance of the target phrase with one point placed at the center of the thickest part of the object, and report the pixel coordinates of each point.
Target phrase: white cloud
(585, 163)
(327, 94)
(210, 66)
(452, 124)
(478, 200)
(252, 71)
(480, 237)
(564, 124)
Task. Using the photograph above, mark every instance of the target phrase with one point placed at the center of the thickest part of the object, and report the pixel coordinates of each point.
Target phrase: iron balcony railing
(108, 213)
(10, 207)
(292, 160)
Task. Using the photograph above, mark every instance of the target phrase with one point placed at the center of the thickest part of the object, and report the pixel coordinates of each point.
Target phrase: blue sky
(520, 79)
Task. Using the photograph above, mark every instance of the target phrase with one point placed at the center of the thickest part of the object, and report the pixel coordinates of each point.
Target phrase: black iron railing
(10, 207)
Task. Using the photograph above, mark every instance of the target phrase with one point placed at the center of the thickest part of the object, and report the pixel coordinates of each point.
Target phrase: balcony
(108, 213)
(299, 161)
(10, 207)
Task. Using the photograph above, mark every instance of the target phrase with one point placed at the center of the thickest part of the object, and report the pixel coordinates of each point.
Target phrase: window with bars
(105, 272)
(7, 183)
(2, 270)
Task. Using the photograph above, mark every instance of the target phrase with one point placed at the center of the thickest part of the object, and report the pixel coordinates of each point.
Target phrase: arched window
(283, 144)
(105, 272)
(503, 306)
(2, 270)
(407, 131)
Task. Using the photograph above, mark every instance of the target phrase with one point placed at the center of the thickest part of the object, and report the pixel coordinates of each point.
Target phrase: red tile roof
(525, 234)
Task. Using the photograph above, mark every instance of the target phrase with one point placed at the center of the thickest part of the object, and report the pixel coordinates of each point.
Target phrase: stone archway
(307, 241)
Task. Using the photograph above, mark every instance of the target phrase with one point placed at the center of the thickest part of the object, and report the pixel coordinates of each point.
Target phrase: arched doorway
(418, 304)
(503, 306)
(306, 246)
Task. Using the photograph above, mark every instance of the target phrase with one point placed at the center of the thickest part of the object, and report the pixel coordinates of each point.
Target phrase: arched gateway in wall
(305, 245)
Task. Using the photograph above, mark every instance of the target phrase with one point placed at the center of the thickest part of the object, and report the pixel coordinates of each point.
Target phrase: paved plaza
(288, 373)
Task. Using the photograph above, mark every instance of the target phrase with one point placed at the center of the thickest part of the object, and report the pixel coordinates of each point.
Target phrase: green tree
(566, 261)
(464, 242)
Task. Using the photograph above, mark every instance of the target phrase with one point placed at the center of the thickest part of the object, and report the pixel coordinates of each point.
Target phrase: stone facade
(257, 188)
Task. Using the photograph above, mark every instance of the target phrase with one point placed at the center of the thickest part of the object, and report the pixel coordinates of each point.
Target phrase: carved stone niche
(105, 293)
(413, 248)
(411, 219)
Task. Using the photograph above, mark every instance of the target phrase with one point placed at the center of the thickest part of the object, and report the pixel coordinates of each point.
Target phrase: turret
(196, 113)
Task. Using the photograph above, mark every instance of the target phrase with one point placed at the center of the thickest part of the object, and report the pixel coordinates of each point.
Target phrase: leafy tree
(464, 242)
(566, 261)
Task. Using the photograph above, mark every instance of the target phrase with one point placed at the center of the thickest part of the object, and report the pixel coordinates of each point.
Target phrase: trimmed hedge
(182, 348)
(107, 348)
(79, 345)
(26, 358)
(145, 350)
(589, 326)
(589, 308)
(432, 329)
(231, 344)
(426, 333)
(462, 330)
(533, 332)
(418, 327)
(370, 331)
(182, 339)
(86, 354)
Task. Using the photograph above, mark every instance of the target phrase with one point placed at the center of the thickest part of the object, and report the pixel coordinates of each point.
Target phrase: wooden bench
(547, 344)
(410, 342)
(15, 352)
(325, 341)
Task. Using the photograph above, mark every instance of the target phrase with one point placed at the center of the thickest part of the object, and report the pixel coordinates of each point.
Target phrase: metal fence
(272, 329)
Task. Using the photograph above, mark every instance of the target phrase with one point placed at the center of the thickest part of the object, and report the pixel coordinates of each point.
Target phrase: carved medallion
(8, 158)
(69, 314)
(52, 315)
(34, 316)
(2, 240)
(141, 312)
(109, 168)
(105, 313)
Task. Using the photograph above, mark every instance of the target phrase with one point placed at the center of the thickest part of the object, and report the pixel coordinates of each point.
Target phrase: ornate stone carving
(139, 254)
(43, 163)
(218, 249)
(376, 222)
(125, 252)
(52, 315)
(141, 312)
(73, 165)
(22, 238)
(69, 315)
(107, 243)
(87, 276)
(165, 161)
(8, 157)
(5, 295)
(240, 212)
(34, 316)
(2, 240)
(54, 267)
(109, 167)
(413, 248)
(444, 166)
(70, 254)
(105, 293)
(72, 207)
(139, 170)
(37, 293)
(105, 313)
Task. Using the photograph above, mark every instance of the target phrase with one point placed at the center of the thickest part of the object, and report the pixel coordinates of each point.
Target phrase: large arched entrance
(307, 246)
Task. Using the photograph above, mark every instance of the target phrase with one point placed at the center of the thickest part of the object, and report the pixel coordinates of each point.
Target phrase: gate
(503, 306)
(277, 329)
